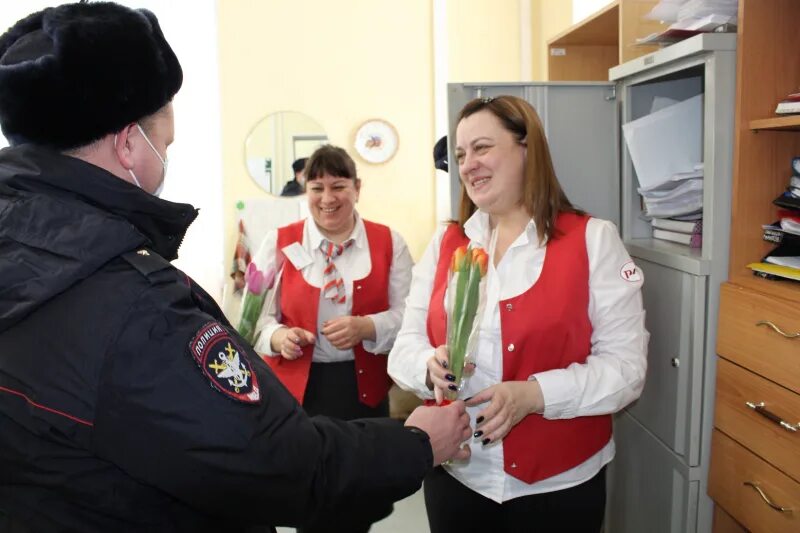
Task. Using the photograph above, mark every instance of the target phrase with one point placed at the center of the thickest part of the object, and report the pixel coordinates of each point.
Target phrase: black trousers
(332, 391)
(452, 507)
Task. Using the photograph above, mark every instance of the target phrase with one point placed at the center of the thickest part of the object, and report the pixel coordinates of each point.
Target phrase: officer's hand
(291, 341)
(344, 332)
(447, 427)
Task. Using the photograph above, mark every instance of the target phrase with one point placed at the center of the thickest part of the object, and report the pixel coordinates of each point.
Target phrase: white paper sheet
(666, 142)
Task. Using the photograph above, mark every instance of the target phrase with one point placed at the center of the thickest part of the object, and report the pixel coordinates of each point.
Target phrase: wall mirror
(275, 142)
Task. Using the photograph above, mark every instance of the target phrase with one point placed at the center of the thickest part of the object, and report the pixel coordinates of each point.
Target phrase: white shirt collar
(479, 231)
(315, 236)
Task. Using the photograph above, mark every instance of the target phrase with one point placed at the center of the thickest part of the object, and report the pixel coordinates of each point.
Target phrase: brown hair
(542, 194)
(331, 160)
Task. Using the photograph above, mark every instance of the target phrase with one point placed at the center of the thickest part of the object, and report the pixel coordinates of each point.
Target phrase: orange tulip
(480, 258)
(468, 267)
(459, 259)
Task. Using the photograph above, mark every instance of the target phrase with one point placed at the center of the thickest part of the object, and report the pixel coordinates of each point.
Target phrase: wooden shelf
(587, 50)
(789, 123)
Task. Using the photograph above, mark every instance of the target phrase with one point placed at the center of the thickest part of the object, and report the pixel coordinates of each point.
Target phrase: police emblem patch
(224, 364)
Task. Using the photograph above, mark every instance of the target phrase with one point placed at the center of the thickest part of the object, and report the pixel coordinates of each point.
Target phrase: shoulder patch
(630, 272)
(224, 364)
(146, 261)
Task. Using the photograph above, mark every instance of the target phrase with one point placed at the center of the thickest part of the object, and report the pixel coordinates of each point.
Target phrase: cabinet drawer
(746, 339)
(724, 523)
(732, 466)
(766, 437)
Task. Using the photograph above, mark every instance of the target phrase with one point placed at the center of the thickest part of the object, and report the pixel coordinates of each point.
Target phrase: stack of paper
(681, 198)
(694, 10)
(787, 253)
(784, 260)
(690, 17)
(691, 14)
(666, 150)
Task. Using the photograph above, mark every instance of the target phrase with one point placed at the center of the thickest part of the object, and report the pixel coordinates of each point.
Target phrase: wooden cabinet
(755, 453)
(586, 50)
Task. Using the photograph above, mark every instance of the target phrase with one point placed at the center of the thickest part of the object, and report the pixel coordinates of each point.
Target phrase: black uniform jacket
(127, 401)
(292, 188)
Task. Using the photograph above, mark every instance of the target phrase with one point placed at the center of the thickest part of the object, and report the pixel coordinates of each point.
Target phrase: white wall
(583, 8)
(195, 161)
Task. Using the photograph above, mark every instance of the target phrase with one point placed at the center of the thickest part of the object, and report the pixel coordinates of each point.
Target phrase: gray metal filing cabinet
(581, 121)
(658, 481)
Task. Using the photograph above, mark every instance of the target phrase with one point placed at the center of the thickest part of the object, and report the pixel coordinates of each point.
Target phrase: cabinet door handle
(766, 498)
(777, 329)
(762, 410)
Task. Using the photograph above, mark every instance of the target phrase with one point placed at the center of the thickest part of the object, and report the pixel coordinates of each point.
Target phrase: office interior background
(340, 63)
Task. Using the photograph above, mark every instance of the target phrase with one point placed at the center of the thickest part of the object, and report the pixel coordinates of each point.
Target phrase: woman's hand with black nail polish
(439, 378)
(508, 403)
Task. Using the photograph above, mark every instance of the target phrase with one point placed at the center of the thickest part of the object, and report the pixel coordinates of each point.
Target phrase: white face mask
(164, 163)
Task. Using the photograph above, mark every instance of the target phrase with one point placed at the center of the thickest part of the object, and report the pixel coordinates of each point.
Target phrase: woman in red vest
(341, 290)
(561, 343)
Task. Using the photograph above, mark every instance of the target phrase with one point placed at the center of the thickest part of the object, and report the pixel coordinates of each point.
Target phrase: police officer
(127, 401)
(297, 185)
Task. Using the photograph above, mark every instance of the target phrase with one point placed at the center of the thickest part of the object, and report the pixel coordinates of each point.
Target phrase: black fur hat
(440, 154)
(71, 74)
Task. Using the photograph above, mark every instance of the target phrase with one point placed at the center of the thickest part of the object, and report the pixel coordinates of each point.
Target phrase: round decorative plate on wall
(376, 141)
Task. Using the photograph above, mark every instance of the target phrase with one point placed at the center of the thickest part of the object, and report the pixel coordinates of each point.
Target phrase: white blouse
(354, 264)
(611, 378)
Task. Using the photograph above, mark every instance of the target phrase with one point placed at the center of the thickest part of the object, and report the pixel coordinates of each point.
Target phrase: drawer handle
(766, 498)
(762, 410)
(777, 329)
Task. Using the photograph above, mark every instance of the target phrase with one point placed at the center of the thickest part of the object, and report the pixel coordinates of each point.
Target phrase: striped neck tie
(332, 283)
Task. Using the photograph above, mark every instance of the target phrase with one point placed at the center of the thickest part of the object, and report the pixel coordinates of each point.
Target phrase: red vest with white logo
(299, 304)
(546, 327)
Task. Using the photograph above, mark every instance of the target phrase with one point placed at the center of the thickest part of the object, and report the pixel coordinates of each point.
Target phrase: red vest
(299, 304)
(546, 327)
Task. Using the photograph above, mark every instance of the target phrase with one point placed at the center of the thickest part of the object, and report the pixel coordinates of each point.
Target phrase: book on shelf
(775, 233)
(787, 253)
(790, 104)
(789, 200)
(693, 240)
(770, 271)
(789, 220)
(679, 226)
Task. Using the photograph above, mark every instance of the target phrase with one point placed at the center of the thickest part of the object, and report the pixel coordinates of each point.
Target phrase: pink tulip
(257, 281)
(254, 279)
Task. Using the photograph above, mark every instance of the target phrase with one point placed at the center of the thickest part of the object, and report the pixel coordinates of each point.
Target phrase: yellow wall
(483, 40)
(549, 18)
(341, 63)
(348, 61)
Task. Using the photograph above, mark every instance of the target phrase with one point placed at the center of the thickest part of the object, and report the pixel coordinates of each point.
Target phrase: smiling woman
(560, 345)
(333, 190)
(342, 285)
